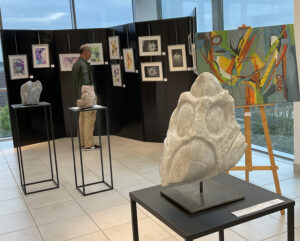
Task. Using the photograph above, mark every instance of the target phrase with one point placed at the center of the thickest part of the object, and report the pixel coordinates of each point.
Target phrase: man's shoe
(89, 148)
(97, 146)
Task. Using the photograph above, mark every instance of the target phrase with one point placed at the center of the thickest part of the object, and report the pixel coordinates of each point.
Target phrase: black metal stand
(43, 105)
(193, 198)
(82, 188)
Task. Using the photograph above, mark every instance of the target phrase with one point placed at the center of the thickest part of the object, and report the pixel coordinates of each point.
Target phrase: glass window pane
(99, 14)
(184, 8)
(256, 13)
(32, 14)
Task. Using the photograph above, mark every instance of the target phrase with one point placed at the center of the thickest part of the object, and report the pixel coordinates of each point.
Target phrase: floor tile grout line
(274, 236)
(23, 197)
(238, 234)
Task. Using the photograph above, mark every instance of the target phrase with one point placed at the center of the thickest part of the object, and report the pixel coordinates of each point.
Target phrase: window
(184, 8)
(257, 13)
(33, 14)
(99, 14)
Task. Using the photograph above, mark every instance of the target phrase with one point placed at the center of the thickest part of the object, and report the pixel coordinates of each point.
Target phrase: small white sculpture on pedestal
(31, 92)
(204, 138)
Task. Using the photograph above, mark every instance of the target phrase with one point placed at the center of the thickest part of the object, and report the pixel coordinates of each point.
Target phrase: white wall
(297, 105)
(145, 10)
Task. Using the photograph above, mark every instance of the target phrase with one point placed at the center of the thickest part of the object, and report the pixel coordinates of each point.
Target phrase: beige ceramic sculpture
(204, 138)
(88, 97)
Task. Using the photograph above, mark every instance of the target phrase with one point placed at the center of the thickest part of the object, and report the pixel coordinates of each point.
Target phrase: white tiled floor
(64, 214)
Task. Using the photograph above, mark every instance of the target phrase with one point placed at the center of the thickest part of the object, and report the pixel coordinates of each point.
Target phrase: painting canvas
(18, 67)
(96, 54)
(40, 53)
(177, 57)
(67, 60)
(256, 65)
(152, 71)
(129, 60)
(149, 45)
(114, 47)
(116, 75)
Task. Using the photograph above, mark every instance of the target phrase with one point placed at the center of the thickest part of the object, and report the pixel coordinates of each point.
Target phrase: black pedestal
(74, 112)
(190, 198)
(54, 171)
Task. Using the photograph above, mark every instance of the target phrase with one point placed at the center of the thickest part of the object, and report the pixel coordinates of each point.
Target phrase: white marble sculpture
(88, 97)
(31, 92)
(204, 138)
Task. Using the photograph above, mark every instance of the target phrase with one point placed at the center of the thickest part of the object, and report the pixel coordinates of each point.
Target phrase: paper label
(165, 79)
(106, 63)
(52, 66)
(163, 53)
(137, 71)
(247, 114)
(257, 207)
(190, 68)
(124, 86)
(121, 57)
(31, 77)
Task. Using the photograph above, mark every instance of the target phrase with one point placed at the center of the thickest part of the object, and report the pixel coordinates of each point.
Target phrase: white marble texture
(31, 92)
(203, 138)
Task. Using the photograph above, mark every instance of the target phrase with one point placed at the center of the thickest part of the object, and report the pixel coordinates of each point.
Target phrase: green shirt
(81, 75)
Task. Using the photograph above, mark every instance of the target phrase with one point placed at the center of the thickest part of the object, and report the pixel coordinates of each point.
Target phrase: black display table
(74, 111)
(192, 226)
(45, 106)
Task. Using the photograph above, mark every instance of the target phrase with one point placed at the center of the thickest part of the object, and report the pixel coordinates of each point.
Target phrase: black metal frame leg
(291, 224)
(134, 220)
(221, 235)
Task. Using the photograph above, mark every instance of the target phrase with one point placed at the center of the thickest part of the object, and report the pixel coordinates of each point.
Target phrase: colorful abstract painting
(114, 47)
(18, 67)
(256, 65)
(129, 64)
(67, 60)
(116, 75)
(40, 53)
(96, 54)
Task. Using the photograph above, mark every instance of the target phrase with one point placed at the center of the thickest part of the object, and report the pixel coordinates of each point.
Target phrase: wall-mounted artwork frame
(40, 55)
(114, 47)
(129, 64)
(177, 57)
(152, 71)
(116, 75)
(96, 54)
(150, 45)
(66, 61)
(18, 67)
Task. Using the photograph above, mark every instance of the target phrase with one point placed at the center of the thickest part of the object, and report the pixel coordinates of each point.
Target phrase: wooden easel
(248, 155)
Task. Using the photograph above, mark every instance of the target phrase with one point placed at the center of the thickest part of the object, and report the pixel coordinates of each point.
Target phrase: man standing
(82, 75)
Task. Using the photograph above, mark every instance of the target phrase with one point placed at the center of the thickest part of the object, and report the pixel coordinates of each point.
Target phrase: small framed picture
(152, 71)
(96, 54)
(40, 54)
(66, 61)
(194, 54)
(129, 64)
(177, 57)
(149, 45)
(114, 47)
(18, 67)
(116, 75)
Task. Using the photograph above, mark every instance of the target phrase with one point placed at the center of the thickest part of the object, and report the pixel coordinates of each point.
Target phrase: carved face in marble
(203, 138)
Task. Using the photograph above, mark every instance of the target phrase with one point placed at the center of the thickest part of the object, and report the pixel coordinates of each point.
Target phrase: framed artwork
(256, 65)
(129, 64)
(66, 61)
(116, 75)
(18, 66)
(96, 54)
(177, 57)
(152, 71)
(194, 55)
(149, 45)
(114, 47)
(190, 43)
(40, 54)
